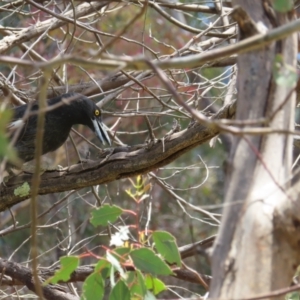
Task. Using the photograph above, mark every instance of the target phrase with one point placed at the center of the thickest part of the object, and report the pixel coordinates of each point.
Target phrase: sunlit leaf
(68, 266)
(154, 284)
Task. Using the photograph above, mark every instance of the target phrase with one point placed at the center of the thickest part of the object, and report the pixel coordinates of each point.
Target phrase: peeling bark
(256, 249)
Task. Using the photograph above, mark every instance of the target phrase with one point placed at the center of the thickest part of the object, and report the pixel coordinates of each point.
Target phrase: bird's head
(89, 114)
(95, 122)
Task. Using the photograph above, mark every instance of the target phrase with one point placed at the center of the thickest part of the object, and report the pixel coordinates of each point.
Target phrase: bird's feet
(106, 154)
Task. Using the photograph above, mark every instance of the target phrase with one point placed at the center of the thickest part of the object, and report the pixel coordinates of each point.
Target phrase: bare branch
(50, 24)
(24, 275)
(136, 160)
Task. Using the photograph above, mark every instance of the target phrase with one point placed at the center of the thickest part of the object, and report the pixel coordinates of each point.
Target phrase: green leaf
(284, 75)
(292, 296)
(165, 243)
(93, 287)
(283, 6)
(119, 291)
(154, 284)
(149, 296)
(68, 266)
(5, 116)
(147, 261)
(121, 254)
(103, 267)
(105, 214)
(6, 150)
(136, 284)
(140, 183)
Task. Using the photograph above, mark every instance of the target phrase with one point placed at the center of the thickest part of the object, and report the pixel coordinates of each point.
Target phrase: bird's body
(58, 123)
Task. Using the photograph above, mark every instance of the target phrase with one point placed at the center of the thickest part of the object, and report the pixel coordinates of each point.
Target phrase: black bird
(58, 123)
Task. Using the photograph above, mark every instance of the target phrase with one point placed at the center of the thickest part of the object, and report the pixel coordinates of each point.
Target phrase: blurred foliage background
(196, 177)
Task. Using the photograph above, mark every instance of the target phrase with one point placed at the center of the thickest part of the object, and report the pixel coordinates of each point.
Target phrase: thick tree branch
(81, 273)
(24, 275)
(123, 162)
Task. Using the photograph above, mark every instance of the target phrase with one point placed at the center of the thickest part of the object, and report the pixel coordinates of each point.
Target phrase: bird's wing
(18, 120)
(11, 127)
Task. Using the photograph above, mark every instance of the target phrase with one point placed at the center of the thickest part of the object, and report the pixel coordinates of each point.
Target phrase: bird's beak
(101, 132)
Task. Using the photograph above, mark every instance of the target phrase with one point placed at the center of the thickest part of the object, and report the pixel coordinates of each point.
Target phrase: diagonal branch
(123, 162)
(21, 275)
(24, 275)
(192, 61)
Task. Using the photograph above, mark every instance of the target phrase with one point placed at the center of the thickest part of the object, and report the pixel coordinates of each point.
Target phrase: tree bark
(256, 249)
(23, 275)
(121, 163)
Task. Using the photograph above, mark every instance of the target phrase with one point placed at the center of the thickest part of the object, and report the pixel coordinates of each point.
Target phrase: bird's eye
(97, 112)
